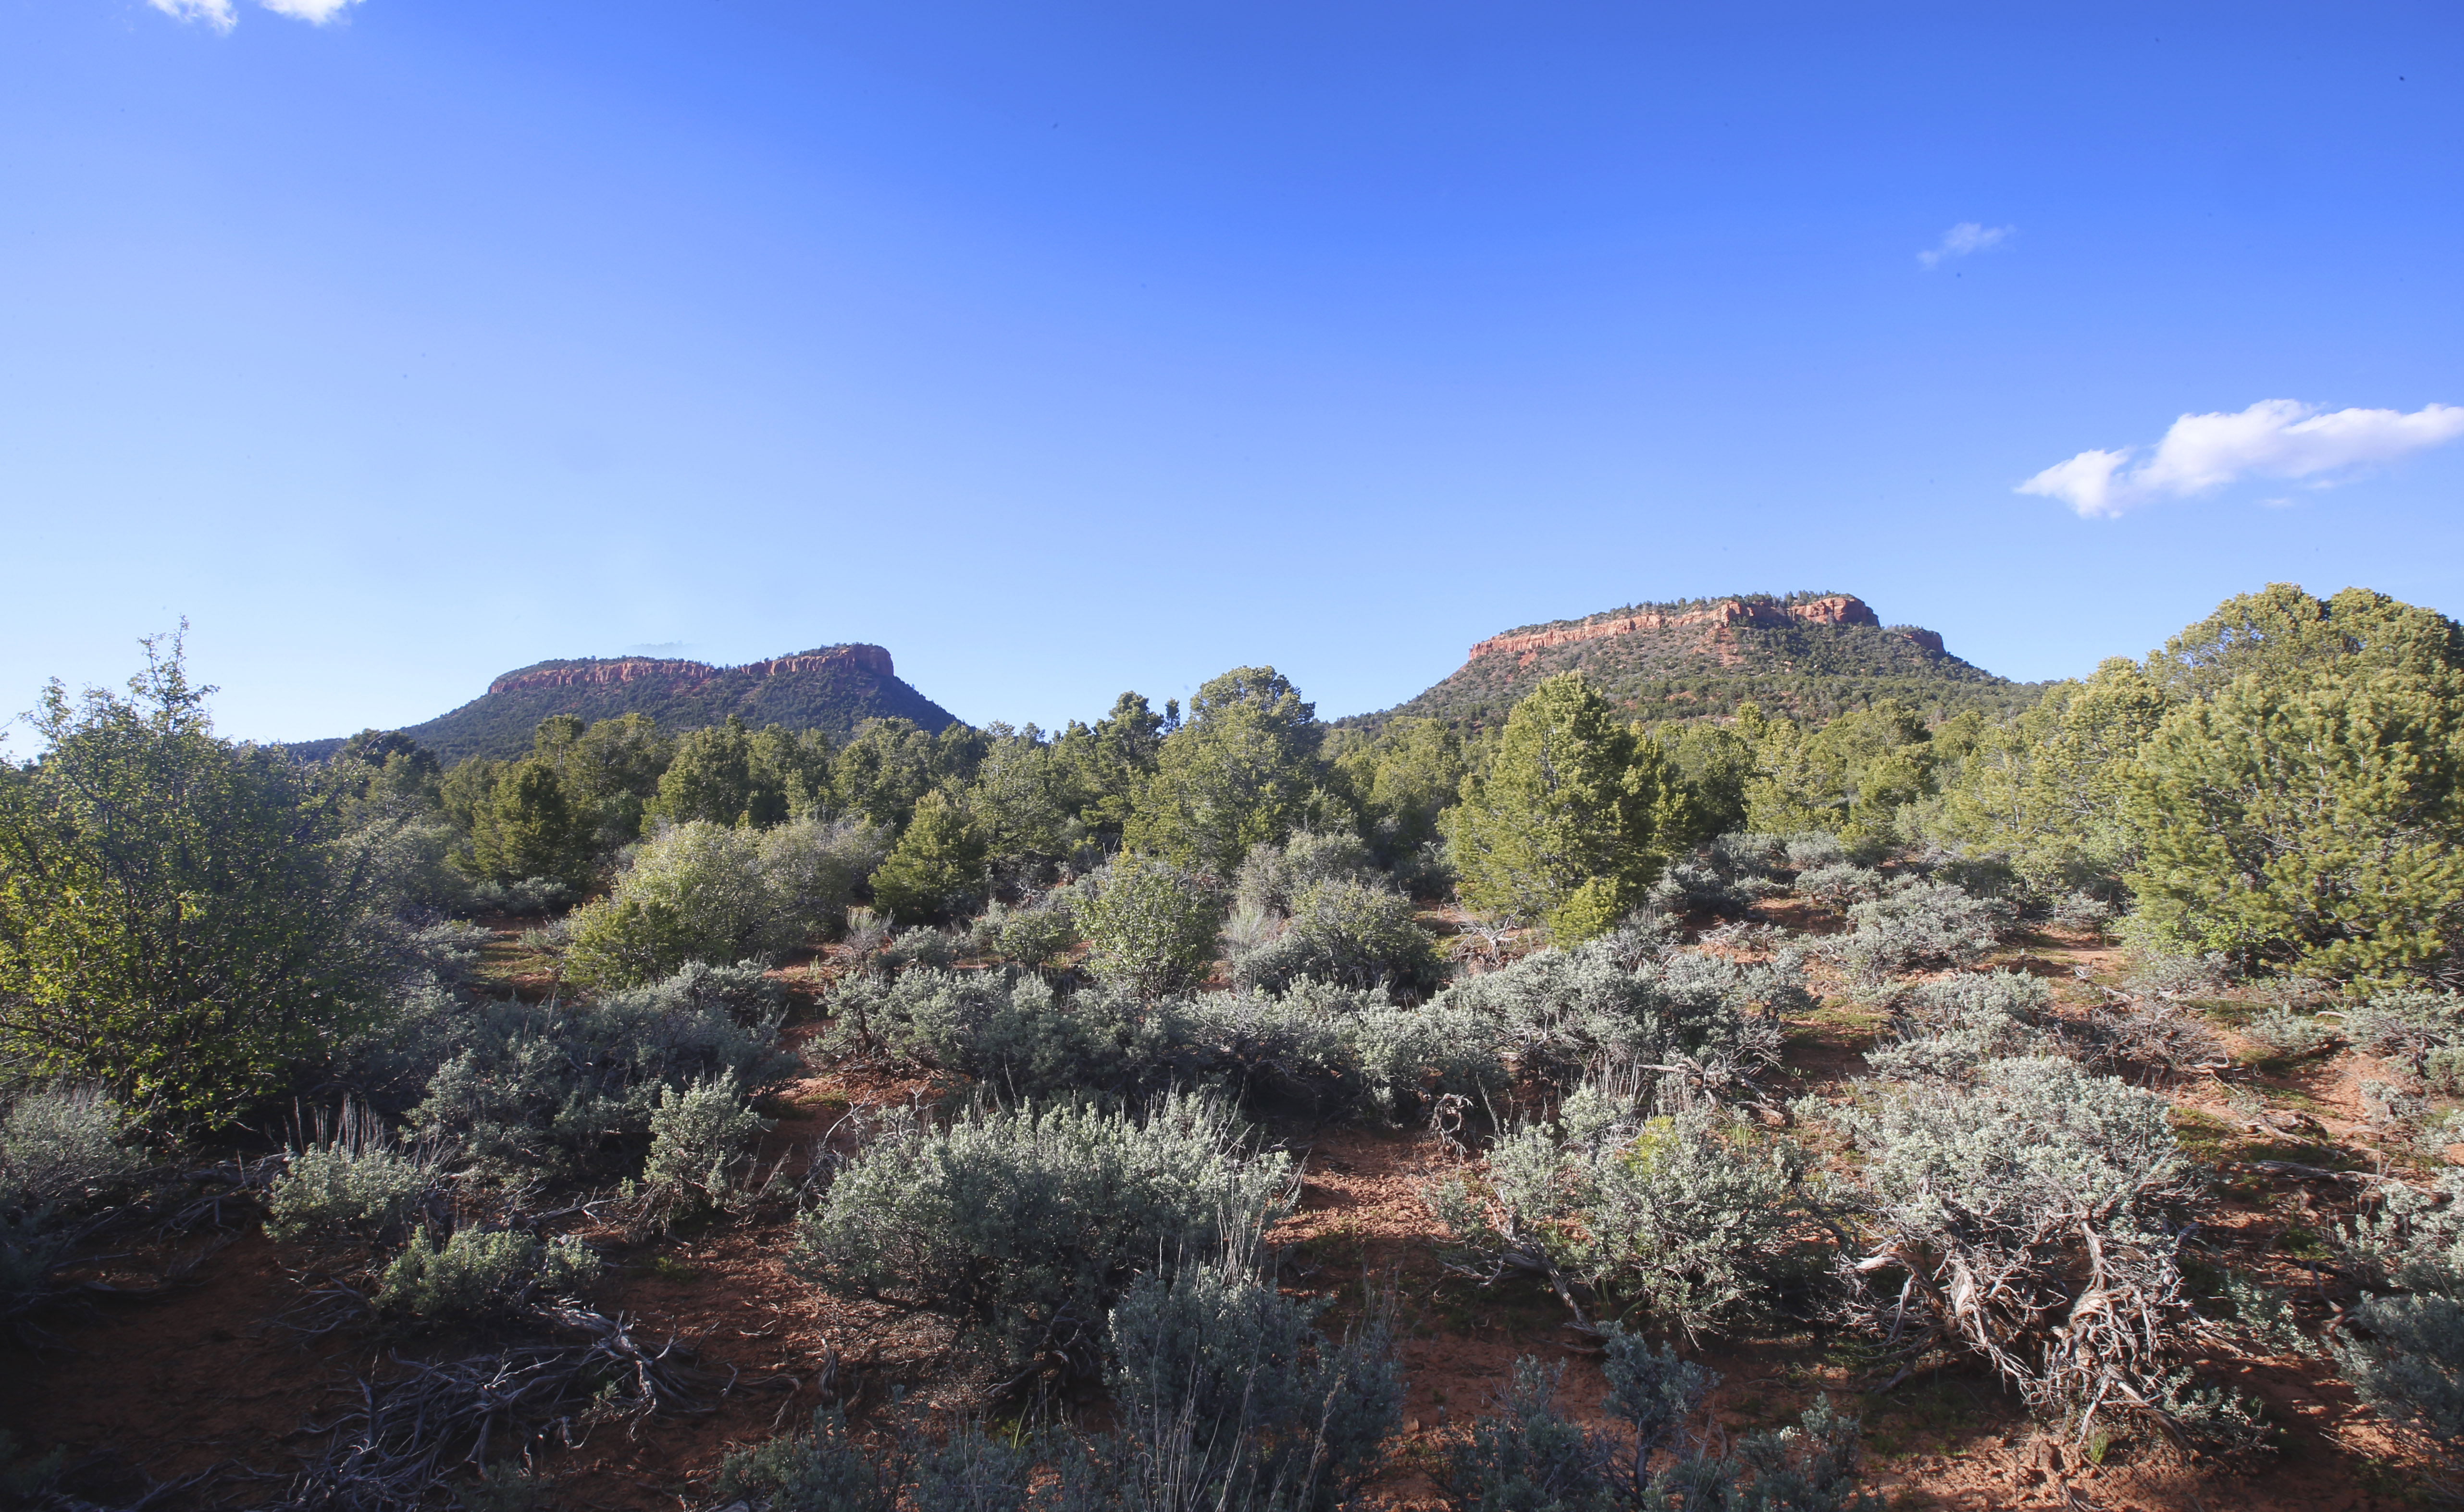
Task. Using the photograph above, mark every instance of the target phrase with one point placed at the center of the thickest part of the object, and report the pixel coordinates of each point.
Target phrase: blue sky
(1067, 348)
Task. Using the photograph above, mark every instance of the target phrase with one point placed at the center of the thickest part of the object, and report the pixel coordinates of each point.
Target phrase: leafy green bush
(2403, 1349)
(1272, 877)
(2028, 1220)
(352, 1178)
(475, 1275)
(1150, 926)
(1689, 1216)
(536, 1089)
(1919, 922)
(702, 892)
(1348, 933)
(823, 1470)
(1025, 1226)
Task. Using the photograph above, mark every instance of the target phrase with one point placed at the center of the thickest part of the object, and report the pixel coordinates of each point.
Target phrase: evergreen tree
(938, 865)
(526, 828)
(1241, 772)
(1560, 828)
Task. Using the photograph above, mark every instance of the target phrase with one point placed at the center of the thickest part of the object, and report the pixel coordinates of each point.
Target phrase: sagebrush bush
(1272, 878)
(1692, 1218)
(2149, 1041)
(353, 1177)
(697, 1139)
(1841, 883)
(1919, 922)
(61, 1146)
(1530, 1456)
(1348, 933)
(2419, 1031)
(1951, 1025)
(1688, 887)
(2403, 1347)
(1025, 1225)
(542, 1087)
(1225, 1387)
(2028, 1220)
(2287, 1032)
(1556, 1010)
(475, 1275)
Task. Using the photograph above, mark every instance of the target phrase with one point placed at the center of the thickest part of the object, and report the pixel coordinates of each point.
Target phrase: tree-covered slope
(1808, 654)
(833, 689)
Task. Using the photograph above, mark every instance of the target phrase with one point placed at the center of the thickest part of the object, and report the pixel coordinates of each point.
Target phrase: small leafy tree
(1150, 926)
(176, 919)
(1561, 827)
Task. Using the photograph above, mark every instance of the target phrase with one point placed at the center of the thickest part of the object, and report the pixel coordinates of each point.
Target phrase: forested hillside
(1211, 1107)
(830, 690)
(1808, 654)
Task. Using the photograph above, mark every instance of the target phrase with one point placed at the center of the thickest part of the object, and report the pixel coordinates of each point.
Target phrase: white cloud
(1968, 237)
(315, 12)
(2274, 438)
(215, 14)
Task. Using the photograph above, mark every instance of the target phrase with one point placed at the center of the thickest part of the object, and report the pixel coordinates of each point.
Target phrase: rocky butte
(1807, 653)
(831, 687)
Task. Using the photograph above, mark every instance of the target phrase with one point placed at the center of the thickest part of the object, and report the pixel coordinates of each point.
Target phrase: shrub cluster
(1348, 932)
(702, 892)
(1919, 922)
(476, 1275)
(1023, 1227)
(2404, 1350)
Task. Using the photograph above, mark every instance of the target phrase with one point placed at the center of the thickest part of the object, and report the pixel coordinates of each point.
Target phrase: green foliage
(1401, 780)
(1561, 827)
(475, 1275)
(177, 922)
(2283, 637)
(1853, 776)
(1239, 773)
(891, 765)
(2313, 826)
(1949, 1027)
(938, 865)
(703, 892)
(1025, 1226)
(609, 772)
(730, 774)
(352, 1178)
(823, 1470)
(2046, 789)
(526, 828)
(1150, 926)
(1105, 764)
(1686, 1216)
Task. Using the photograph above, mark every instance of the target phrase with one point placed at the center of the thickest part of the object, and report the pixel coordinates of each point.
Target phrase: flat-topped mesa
(644, 668)
(1838, 608)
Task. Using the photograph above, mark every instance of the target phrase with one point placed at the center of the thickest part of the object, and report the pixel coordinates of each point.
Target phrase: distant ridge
(1807, 654)
(832, 688)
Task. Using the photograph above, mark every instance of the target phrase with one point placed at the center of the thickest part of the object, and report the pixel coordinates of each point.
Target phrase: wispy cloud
(223, 15)
(315, 12)
(2274, 438)
(1961, 239)
(215, 14)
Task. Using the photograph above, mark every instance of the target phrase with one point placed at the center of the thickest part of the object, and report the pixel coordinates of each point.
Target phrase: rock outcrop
(595, 670)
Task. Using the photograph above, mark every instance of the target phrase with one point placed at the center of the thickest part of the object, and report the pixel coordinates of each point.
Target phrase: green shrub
(1841, 883)
(353, 1179)
(475, 1275)
(701, 891)
(2286, 1032)
(2418, 1030)
(697, 1138)
(1348, 933)
(1689, 1216)
(538, 1088)
(1023, 1227)
(2029, 1219)
(1150, 926)
(1950, 1026)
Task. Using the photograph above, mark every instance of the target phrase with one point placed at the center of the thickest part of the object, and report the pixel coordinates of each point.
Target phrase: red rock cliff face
(1836, 609)
(641, 669)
